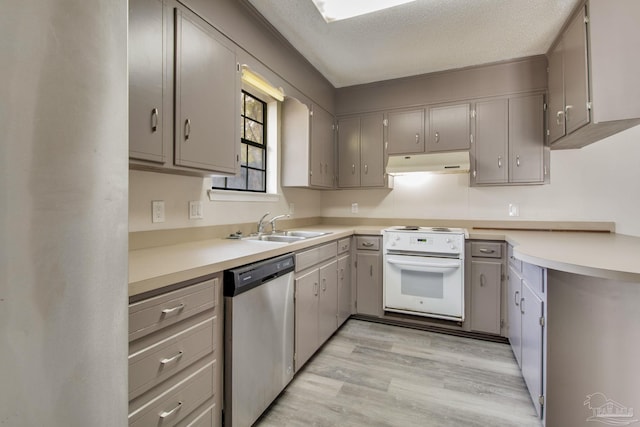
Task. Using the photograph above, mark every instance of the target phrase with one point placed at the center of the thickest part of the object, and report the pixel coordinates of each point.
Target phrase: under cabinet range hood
(455, 162)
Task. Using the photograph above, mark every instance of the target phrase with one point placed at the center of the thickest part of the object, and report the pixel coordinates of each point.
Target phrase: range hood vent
(456, 162)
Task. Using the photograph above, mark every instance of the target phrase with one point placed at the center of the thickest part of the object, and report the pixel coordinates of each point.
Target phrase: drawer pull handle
(515, 298)
(367, 244)
(171, 359)
(171, 310)
(166, 414)
(487, 251)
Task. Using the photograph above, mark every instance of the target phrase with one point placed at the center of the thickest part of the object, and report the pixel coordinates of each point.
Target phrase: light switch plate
(157, 211)
(514, 210)
(196, 209)
(354, 208)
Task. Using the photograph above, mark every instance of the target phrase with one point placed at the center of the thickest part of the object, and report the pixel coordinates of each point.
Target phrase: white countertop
(604, 255)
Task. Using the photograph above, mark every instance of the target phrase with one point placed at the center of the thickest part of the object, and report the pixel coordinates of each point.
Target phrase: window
(253, 148)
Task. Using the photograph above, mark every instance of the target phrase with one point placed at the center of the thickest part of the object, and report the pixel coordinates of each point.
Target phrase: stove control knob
(393, 243)
(397, 238)
(453, 246)
(448, 240)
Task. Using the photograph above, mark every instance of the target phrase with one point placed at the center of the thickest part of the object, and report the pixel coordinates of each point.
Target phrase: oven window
(421, 284)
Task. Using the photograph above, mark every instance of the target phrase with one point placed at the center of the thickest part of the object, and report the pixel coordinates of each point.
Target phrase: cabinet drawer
(532, 274)
(516, 263)
(155, 313)
(201, 417)
(316, 255)
(368, 243)
(486, 250)
(344, 245)
(178, 401)
(165, 358)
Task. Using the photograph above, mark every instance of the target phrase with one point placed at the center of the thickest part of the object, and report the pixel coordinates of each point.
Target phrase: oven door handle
(425, 266)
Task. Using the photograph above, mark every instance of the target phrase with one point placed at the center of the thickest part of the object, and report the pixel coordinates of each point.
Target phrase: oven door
(424, 286)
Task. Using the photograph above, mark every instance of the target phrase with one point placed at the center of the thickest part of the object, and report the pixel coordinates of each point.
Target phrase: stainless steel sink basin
(276, 238)
(306, 234)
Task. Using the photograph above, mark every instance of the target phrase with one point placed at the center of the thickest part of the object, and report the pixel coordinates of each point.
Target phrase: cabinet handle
(154, 120)
(417, 138)
(499, 161)
(166, 414)
(326, 165)
(187, 129)
(437, 135)
(486, 251)
(171, 310)
(518, 161)
(567, 109)
(366, 169)
(371, 270)
(522, 305)
(367, 244)
(353, 168)
(171, 359)
(482, 280)
(515, 298)
(315, 289)
(559, 115)
(324, 284)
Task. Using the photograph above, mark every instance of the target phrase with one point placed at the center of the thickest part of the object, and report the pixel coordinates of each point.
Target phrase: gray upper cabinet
(405, 131)
(593, 86)
(449, 128)
(509, 141)
(361, 151)
(308, 146)
(147, 50)
(491, 142)
(207, 93)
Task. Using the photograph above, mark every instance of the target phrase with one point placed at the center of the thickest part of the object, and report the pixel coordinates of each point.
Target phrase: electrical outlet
(354, 208)
(514, 210)
(195, 209)
(157, 211)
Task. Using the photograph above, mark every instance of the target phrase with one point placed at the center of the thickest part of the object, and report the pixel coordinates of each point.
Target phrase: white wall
(177, 191)
(598, 182)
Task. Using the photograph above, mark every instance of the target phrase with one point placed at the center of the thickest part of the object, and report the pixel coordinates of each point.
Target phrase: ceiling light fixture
(335, 10)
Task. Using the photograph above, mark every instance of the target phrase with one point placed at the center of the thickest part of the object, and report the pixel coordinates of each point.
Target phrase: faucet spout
(274, 219)
(261, 223)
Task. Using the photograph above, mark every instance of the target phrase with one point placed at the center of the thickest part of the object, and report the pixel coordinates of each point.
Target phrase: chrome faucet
(273, 221)
(261, 223)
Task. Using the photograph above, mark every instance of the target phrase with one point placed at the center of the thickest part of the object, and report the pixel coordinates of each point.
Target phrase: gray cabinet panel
(575, 71)
(369, 283)
(491, 141)
(207, 98)
(349, 152)
(322, 148)
(532, 309)
(485, 296)
(307, 303)
(328, 308)
(449, 128)
(513, 313)
(405, 132)
(371, 151)
(344, 288)
(526, 138)
(556, 94)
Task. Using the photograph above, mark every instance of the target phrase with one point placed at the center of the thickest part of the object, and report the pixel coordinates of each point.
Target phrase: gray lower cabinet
(405, 131)
(344, 280)
(487, 290)
(449, 128)
(316, 300)
(175, 357)
(509, 142)
(369, 276)
(361, 151)
(526, 314)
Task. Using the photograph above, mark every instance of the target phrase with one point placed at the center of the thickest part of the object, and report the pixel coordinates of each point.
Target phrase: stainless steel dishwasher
(258, 337)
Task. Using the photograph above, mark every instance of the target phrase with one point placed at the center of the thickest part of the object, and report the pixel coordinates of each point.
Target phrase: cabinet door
(328, 310)
(405, 132)
(207, 98)
(344, 288)
(555, 120)
(485, 296)
(526, 138)
(513, 313)
(147, 47)
(349, 152)
(371, 151)
(321, 148)
(491, 142)
(448, 128)
(306, 306)
(532, 310)
(369, 283)
(576, 80)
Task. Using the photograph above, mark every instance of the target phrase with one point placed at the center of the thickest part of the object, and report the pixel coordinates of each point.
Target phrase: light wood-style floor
(369, 374)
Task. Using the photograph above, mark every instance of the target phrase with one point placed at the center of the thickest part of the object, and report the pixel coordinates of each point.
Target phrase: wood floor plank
(371, 374)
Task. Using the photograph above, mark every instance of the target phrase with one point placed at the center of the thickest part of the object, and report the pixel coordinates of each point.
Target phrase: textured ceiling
(416, 38)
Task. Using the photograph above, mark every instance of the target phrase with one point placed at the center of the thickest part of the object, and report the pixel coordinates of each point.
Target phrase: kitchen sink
(305, 234)
(287, 236)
